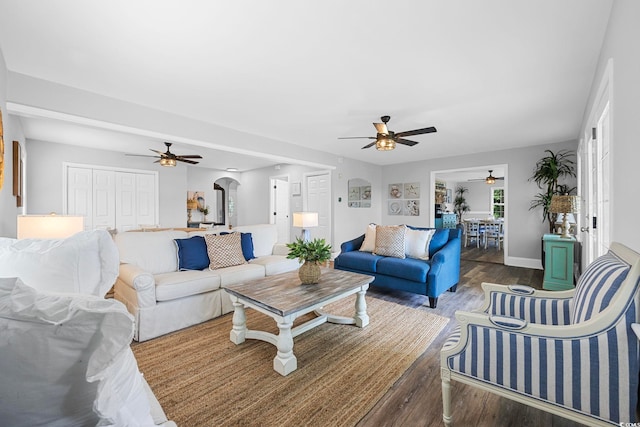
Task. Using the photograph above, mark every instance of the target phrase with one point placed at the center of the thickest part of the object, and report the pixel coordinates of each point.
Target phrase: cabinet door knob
(584, 229)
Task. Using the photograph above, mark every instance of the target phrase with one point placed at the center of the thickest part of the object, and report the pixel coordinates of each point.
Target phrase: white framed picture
(295, 189)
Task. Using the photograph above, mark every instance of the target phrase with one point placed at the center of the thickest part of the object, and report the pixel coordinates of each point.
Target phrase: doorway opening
(487, 203)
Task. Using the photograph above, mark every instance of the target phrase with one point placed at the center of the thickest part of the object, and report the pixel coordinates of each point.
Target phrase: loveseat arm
(352, 245)
(445, 268)
(141, 281)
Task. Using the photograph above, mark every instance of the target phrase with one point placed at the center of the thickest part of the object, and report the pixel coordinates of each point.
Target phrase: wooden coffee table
(283, 298)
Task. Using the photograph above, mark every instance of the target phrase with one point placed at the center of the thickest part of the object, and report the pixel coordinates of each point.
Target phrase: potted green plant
(205, 212)
(460, 205)
(548, 172)
(310, 254)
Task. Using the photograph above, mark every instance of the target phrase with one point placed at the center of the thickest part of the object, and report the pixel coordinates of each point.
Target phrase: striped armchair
(572, 353)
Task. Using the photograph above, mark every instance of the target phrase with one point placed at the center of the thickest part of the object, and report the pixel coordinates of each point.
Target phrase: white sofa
(66, 356)
(164, 299)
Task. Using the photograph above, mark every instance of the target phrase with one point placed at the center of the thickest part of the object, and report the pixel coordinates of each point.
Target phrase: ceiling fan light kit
(165, 161)
(386, 140)
(490, 179)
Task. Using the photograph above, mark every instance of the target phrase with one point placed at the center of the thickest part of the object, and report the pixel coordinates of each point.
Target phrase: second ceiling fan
(386, 140)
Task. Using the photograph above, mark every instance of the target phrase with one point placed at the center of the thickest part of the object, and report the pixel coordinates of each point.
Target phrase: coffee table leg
(285, 362)
(239, 331)
(361, 317)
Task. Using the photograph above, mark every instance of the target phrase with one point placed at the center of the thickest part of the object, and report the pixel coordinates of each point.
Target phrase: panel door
(104, 201)
(145, 197)
(125, 195)
(318, 195)
(80, 194)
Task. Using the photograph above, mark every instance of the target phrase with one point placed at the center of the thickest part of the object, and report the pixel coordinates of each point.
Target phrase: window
(497, 202)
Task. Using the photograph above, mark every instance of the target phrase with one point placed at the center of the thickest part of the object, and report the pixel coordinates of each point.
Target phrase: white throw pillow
(85, 263)
(416, 243)
(369, 243)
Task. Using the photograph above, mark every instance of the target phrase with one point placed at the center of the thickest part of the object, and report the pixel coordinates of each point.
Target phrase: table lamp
(564, 204)
(50, 226)
(305, 220)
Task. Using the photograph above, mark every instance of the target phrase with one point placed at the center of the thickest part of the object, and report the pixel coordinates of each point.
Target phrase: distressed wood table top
(282, 294)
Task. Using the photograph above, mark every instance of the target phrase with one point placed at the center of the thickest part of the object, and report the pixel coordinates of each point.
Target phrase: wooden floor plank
(415, 399)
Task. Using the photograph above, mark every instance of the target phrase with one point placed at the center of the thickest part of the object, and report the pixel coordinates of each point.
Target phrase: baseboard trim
(523, 262)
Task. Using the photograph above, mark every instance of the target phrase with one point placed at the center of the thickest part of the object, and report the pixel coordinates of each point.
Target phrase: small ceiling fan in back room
(490, 179)
(386, 140)
(168, 158)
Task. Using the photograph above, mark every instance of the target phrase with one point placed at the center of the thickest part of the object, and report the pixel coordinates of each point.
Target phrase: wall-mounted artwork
(359, 193)
(404, 199)
(198, 196)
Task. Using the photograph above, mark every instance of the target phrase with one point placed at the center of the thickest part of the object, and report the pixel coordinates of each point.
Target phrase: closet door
(80, 194)
(104, 201)
(146, 199)
(125, 196)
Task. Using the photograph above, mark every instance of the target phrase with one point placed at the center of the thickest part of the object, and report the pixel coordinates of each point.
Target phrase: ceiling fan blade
(156, 151)
(189, 156)
(416, 132)
(140, 155)
(406, 142)
(381, 128)
(191, 162)
(369, 145)
(358, 137)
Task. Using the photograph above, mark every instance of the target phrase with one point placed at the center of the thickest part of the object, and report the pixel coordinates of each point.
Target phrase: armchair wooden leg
(433, 302)
(446, 396)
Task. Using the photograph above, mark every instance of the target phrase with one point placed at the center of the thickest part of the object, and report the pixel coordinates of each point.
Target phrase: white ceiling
(488, 74)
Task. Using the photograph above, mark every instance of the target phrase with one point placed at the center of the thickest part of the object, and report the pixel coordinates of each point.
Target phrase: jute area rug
(202, 379)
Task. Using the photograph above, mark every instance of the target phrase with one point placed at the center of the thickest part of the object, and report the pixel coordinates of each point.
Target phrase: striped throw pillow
(224, 250)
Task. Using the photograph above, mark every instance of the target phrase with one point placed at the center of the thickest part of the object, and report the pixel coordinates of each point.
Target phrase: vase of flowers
(205, 212)
(310, 254)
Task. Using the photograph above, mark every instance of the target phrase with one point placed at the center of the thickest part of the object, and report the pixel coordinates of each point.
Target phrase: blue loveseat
(432, 277)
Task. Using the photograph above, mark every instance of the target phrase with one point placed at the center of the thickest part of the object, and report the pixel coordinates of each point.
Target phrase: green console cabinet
(558, 262)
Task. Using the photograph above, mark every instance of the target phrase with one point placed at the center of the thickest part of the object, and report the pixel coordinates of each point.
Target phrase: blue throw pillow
(192, 253)
(438, 240)
(246, 240)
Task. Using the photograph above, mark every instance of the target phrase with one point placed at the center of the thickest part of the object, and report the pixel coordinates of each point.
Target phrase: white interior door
(80, 194)
(280, 208)
(125, 201)
(104, 208)
(145, 199)
(318, 199)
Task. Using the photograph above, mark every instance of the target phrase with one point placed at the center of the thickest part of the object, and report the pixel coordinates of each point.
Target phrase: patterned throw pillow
(369, 243)
(224, 250)
(390, 240)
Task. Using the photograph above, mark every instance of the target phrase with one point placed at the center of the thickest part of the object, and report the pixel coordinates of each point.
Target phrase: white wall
(525, 226)
(478, 198)
(45, 180)
(621, 45)
(12, 132)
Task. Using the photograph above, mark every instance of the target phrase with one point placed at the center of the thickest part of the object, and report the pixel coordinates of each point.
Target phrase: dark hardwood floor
(416, 400)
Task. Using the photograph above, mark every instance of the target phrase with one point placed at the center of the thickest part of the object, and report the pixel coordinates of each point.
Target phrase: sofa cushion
(85, 263)
(416, 243)
(438, 240)
(179, 284)
(246, 241)
(276, 264)
(240, 273)
(369, 243)
(408, 268)
(80, 369)
(192, 253)
(390, 240)
(264, 237)
(356, 260)
(224, 250)
(153, 251)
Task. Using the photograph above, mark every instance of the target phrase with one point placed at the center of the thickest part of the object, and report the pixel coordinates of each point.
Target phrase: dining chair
(572, 353)
(494, 231)
(471, 231)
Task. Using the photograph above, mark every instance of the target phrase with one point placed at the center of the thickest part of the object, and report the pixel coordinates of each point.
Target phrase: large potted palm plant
(460, 205)
(547, 174)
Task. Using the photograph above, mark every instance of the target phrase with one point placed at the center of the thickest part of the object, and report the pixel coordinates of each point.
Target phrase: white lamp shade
(49, 226)
(305, 219)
